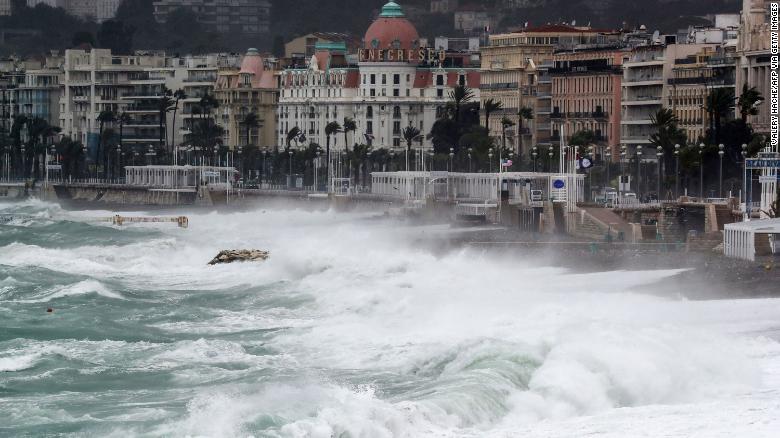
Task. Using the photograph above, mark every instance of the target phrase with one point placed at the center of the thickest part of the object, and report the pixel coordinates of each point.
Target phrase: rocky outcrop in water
(239, 255)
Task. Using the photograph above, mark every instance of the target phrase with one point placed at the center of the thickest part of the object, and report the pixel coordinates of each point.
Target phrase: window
(396, 79)
(369, 127)
(369, 112)
(396, 112)
(439, 93)
(396, 92)
(439, 80)
(384, 79)
(396, 128)
(373, 79)
(397, 142)
(372, 93)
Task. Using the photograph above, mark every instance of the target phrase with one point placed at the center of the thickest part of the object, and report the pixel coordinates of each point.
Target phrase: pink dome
(391, 30)
(252, 63)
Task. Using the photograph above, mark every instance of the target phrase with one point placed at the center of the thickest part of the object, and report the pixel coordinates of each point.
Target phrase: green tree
(349, 126)
(719, 105)
(490, 106)
(178, 95)
(292, 135)
(524, 114)
(165, 104)
(331, 129)
(105, 116)
(250, 122)
(459, 96)
(747, 102)
(582, 138)
(410, 134)
(116, 36)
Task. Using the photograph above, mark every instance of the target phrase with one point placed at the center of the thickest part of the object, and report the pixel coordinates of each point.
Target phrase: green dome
(391, 9)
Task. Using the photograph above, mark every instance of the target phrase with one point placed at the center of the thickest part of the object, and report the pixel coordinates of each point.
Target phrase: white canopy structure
(177, 177)
(746, 240)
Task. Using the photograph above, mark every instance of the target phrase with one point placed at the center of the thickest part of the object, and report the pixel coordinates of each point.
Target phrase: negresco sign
(401, 55)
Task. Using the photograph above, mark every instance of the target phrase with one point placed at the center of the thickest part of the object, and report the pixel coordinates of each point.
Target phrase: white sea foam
(465, 343)
(18, 363)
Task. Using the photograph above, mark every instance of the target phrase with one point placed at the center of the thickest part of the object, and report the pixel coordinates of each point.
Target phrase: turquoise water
(352, 329)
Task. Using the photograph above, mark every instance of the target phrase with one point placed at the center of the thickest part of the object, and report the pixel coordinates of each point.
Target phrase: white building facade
(393, 83)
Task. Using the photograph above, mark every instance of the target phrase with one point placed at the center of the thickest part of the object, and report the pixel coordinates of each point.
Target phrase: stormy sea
(354, 327)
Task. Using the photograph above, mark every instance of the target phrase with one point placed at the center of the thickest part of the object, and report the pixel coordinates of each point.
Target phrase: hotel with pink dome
(392, 82)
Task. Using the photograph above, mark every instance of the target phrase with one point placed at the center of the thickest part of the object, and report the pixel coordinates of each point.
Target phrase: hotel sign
(763, 163)
(401, 55)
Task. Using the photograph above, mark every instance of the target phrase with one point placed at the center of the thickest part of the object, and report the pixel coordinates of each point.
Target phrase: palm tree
(123, 119)
(207, 104)
(39, 130)
(293, 134)
(105, 116)
(719, 104)
(331, 128)
(490, 106)
(410, 134)
(747, 101)
(165, 104)
(459, 96)
(250, 122)
(349, 126)
(524, 114)
(177, 95)
(16, 147)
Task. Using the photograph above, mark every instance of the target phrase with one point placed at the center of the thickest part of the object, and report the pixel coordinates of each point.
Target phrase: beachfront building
(246, 17)
(393, 82)
(693, 79)
(646, 89)
(753, 58)
(250, 89)
(515, 73)
(99, 10)
(96, 80)
(586, 90)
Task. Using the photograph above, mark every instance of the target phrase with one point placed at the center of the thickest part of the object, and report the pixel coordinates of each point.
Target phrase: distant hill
(290, 18)
(353, 16)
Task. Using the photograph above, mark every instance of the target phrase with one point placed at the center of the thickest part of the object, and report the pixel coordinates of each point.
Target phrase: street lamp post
(607, 160)
(534, 153)
(452, 155)
(289, 175)
(745, 183)
(676, 171)
(490, 160)
(701, 171)
(721, 151)
(638, 171)
(659, 155)
(263, 178)
(470, 151)
(623, 154)
(549, 159)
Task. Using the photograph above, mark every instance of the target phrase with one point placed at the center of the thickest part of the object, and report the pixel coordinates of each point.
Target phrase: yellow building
(514, 73)
(251, 89)
(693, 78)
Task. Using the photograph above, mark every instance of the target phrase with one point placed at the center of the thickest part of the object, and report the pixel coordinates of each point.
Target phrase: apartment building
(249, 17)
(514, 73)
(252, 88)
(754, 57)
(693, 79)
(99, 10)
(5, 8)
(645, 88)
(586, 91)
